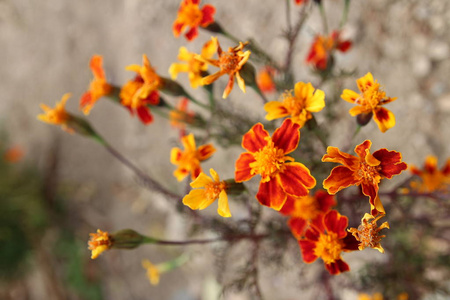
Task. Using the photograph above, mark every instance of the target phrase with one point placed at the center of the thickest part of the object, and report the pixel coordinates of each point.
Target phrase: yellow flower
(99, 242)
(229, 62)
(57, 115)
(367, 233)
(188, 161)
(207, 191)
(299, 106)
(193, 66)
(153, 272)
(369, 102)
(376, 296)
(432, 178)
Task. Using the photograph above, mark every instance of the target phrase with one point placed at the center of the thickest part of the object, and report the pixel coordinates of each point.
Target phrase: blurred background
(60, 187)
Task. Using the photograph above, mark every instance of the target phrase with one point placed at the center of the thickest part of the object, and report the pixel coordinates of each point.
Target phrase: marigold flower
(194, 67)
(432, 179)
(13, 154)
(300, 2)
(299, 106)
(99, 242)
(266, 156)
(207, 190)
(322, 48)
(303, 210)
(326, 238)
(369, 102)
(376, 296)
(180, 116)
(367, 233)
(229, 62)
(365, 169)
(190, 15)
(188, 161)
(264, 80)
(153, 272)
(98, 88)
(57, 115)
(140, 92)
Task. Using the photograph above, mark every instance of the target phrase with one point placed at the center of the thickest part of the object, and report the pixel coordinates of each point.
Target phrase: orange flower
(140, 92)
(98, 87)
(188, 161)
(180, 116)
(266, 156)
(369, 102)
(190, 15)
(300, 2)
(299, 106)
(264, 80)
(207, 190)
(323, 47)
(99, 242)
(367, 233)
(432, 179)
(365, 169)
(230, 62)
(194, 67)
(57, 115)
(13, 154)
(327, 238)
(153, 271)
(303, 210)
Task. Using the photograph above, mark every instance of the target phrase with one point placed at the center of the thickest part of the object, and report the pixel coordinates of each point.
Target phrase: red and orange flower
(327, 238)
(180, 116)
(365, 169)
(229, 62)
(57, 115)
(99, 242)
(322, 48)
(303, 210)
(432, 179)
(98, 88)
(190, 15)
(267, 156)
(142, 91)
(369, 101)
(188, 161)
(264, 80)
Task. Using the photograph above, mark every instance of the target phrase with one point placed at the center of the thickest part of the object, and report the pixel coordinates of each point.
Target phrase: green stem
(345, 14)
(324, 17)
(189, 96)
(255, 237)
(259, 92)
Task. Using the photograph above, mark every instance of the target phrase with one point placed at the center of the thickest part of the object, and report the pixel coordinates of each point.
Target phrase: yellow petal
(275, 110)
(365, 81)
(384, 118)
(184, 54)
(133, 68)
(357, 110)
(214, 175)
(201, 181)
(303, 90)
(209, 48)
(350, 96)
(176, 68)
(240, 81)
(188, 142)
(224, 209)
(195, 199)
(315, 103)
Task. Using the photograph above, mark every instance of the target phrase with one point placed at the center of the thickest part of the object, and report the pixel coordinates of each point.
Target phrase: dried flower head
(367, 233)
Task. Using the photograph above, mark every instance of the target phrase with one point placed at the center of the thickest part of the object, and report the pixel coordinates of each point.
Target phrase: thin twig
(292, 35)
(231, 238)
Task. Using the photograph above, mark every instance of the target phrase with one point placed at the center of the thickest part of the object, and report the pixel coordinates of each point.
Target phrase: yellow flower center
(269, 161)
(306, 208)
(329, 247)
(229, 62)
(369, 173)
(190, 15)
(372, 97)
(213, 189)
(99, 88)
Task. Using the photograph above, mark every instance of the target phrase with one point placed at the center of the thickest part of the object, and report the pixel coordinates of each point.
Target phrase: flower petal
(365, 82)
(384, 118)
(370, 190)
(307, 248)
(390, 162)
(296, 179)
(192, 33)
(335, 155)
(144, 115)
(243, 170)
(340, 178)
(361, 148)
(337, 267)
(205, 151)
(287, 136)
(255, 139)
(208, 15)
(298, 226)
(275, 110)
(195, 198)
(335, 222)
(223, 209)
(317, 102)
(201, 181)
(350, 96)
(271, 194)
(325, 200)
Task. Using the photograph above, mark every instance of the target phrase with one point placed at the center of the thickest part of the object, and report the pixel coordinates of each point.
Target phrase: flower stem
(345, 14)
(231, 238)
(324, 17)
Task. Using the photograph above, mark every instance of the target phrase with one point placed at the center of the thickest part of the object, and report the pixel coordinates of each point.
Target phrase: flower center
(269, 161)
(306, 208)
(190, 15)
(329, 247)
(229, 62)
(372, 97)
(213, 189)
(294, 104)
(369, 173)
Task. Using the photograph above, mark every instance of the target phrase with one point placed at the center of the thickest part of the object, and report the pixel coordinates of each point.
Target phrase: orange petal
(336, 223)
(298, 227)
(175, 156)
(287, 136)
(370, 190)
(296, 179)
(275, 110)
(255, 139)
(361, 148)
(96, 66)
(271, 194)
(243, 170)
(390, 162)
(340, 178)
(384, 118)
(307, 248)
(205, 151)
(335, 155)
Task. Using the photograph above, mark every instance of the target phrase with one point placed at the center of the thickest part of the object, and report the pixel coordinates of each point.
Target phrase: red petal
(205, 151)
(370, 190)
(85, 99)
(337, 267)
(271, 194)
(336, 223)
(307, 248)
(152, 98)
(296, 179)
(192, 33)
(208, 15)
(344, 46)
(390, 162)
(254, 140)
(144, 114)
(243, 169)
(177, 28)
(361, 148)
(340, 178)
(289, 206)
(287, 136)
(350, 243)
(325, 200)
(297, 226)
